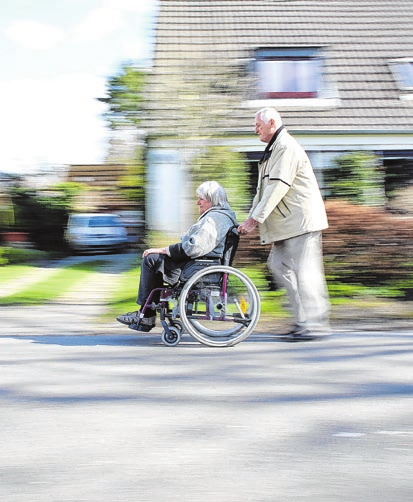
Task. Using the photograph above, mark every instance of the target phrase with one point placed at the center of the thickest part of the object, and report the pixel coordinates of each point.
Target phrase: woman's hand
(154, 251)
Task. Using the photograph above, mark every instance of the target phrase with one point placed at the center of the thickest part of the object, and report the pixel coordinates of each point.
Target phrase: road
(108, 415)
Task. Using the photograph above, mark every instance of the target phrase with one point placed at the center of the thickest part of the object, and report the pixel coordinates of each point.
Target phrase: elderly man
(205, 238)
(289, 209)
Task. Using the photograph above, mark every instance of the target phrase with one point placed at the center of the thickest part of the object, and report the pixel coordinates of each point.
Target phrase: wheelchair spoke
(219, 306)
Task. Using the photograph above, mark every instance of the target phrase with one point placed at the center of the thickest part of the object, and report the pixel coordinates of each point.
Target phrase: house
(96, 176)
(340, 72)
(102, 182)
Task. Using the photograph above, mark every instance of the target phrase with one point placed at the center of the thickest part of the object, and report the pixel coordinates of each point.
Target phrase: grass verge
(13, 272)
(123, 299)
(52, 287)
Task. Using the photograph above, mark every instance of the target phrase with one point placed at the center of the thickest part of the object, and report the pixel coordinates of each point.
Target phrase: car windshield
(104, 221)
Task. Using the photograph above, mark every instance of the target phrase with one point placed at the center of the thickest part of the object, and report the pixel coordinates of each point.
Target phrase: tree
(356, 177)
(230, 169)
(124, 97)
(125, 101)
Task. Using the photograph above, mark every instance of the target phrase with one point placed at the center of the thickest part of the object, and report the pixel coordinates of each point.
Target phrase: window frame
(294, 55)
(398, 75)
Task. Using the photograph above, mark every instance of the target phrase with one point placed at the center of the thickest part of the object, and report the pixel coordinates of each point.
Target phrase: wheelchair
(213, 302)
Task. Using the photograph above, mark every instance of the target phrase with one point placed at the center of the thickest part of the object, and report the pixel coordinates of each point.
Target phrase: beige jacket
(288, 201)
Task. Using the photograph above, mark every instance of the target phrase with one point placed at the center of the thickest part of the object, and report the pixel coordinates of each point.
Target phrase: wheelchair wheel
(178, 325)
(171, 339)
(219, 306)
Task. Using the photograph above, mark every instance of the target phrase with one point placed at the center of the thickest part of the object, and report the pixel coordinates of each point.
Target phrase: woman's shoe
(129, 317)
(135, 319)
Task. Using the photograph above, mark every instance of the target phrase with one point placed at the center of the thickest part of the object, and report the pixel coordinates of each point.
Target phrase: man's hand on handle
(247, 227)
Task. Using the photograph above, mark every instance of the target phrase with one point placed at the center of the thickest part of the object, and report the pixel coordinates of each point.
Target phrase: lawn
(52, 287)
(13, 272)
(123, 298)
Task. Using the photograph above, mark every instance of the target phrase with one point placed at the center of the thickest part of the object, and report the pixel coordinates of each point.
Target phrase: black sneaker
(133, 320)
(299, 334)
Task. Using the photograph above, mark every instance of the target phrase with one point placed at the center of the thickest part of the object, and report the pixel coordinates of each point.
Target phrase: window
(288, 73)
(104, 221)
(403, 71)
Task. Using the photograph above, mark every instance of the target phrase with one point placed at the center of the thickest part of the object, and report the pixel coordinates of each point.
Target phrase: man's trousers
(297, 265)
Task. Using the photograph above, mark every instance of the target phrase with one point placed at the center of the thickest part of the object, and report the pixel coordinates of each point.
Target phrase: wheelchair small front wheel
(173, 338)
(219, 306)
(178, 325)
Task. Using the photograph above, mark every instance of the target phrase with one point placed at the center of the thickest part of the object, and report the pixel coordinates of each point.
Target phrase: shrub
(44, 213)
(9, 256)
(363, 245)
(367, 245)
(358, 177)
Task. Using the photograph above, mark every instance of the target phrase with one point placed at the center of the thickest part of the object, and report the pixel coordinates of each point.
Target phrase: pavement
(96, 412)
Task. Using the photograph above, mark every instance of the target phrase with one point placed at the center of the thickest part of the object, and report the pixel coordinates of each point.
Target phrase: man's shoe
(299, 334)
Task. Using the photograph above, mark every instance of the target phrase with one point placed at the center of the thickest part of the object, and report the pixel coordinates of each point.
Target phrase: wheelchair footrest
(245, 321)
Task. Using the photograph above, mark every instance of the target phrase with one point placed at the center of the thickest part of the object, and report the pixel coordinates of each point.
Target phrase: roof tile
(201, 43)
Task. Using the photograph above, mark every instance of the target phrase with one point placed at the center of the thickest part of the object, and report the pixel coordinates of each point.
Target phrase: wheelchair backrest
(231, 246)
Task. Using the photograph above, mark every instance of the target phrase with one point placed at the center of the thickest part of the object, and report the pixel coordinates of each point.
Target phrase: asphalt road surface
(108, 415)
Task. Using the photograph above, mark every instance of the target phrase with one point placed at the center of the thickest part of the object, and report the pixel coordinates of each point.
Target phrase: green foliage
(357, 177)
(59, 197)
(229, 168)
(10, 255)
(43, 214)
(338, 289)
(125, 98)
(67, 191)
(125, 101)
(404, 286)
(6, 211)
(132, 184)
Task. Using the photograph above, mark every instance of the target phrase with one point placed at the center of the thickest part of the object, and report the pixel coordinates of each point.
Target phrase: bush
(9, 256)
(44, 214)
(358, 177)
(366, 245)
(363, 246)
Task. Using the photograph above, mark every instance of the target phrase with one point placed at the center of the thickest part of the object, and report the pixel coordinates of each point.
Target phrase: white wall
(170, 201)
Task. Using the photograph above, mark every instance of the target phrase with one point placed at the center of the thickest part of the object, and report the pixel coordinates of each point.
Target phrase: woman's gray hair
(267, 114)
(214, 193)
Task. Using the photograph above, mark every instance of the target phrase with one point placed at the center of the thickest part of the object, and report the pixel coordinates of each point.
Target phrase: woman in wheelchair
(206, 238)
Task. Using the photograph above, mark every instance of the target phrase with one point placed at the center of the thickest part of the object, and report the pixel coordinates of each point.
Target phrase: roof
(97, 175)
(199, 42)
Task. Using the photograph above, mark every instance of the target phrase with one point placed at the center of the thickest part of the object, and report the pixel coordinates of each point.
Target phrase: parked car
(96, 232)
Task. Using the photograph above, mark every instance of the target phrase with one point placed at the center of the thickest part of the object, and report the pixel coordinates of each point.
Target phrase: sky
(55, 60)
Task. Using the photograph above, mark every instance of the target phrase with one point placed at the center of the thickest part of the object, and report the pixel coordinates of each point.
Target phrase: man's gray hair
(267, 114)
(214, 193)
